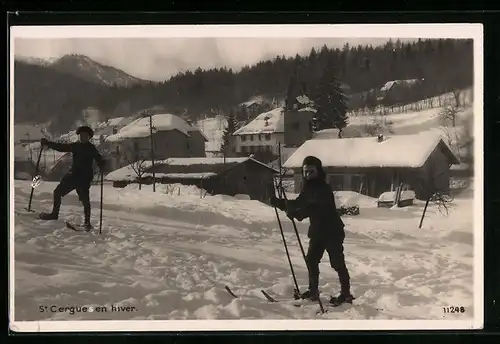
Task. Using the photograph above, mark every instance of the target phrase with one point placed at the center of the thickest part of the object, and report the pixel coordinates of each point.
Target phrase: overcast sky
(159, 58)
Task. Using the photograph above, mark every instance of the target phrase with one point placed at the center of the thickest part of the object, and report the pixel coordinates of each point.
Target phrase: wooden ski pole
(36, 175)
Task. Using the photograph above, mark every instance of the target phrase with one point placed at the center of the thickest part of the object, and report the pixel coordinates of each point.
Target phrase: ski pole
(297, 290)
(36, 174)
(296, 230)
(100, 215)
(303, 253)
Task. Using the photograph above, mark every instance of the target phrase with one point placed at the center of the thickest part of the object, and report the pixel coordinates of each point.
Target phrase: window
(336, 182)
(243, 137)
(136, 146)
(268, 137)
(244, 149)
(187, 145)
(260, 137)
(251, 137)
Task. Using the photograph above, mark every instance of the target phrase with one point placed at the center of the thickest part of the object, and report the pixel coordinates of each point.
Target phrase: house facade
(267, 130)
(261, 135)
(372, 166)
(171, 137)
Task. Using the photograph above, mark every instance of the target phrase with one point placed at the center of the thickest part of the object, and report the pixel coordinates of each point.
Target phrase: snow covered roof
(117, 121)
(205, 161)
(181, 165)
(257, 100)
(274, 119)
(205, 175)
(162, 122)
(410, 151)
(389, 84)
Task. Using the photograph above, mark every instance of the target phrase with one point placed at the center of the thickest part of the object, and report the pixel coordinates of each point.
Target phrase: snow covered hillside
(409, 119)
(169, 256)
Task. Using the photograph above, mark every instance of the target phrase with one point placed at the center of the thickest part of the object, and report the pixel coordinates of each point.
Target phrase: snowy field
(168, 255)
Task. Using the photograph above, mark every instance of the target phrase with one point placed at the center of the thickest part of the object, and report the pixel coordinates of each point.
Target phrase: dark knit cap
(312, 160)
(85, 129)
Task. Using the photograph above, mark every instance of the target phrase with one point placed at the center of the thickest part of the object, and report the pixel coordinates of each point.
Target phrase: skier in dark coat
(81, 174)
(326, 231)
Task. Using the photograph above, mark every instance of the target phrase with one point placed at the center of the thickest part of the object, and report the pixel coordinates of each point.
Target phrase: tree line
(43, 94)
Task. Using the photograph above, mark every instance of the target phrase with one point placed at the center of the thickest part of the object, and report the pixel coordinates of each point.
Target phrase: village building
(374, 165)
(54, 165)
(229, 176)
(171, 136)
(26, 138)
(262, 136)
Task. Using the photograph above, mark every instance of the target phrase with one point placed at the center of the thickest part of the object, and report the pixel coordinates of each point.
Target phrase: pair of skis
(266, 295)
(292, 302)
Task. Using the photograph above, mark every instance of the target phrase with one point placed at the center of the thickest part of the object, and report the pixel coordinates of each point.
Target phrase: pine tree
(231, 127)
(330, 102)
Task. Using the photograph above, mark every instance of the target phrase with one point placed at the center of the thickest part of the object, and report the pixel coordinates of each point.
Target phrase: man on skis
(326, 231)
(81, 174)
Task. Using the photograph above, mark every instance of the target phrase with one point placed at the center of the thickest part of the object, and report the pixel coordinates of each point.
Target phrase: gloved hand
(44, 142)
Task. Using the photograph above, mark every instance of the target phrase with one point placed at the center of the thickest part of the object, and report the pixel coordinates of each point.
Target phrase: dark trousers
(335, 249)
(69, 183)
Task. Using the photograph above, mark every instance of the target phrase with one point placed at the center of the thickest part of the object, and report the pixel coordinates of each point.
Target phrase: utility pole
(148, 113)
(29, 146)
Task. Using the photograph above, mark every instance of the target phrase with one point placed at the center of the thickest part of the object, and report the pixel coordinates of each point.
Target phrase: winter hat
(85, 129)
(312, 160)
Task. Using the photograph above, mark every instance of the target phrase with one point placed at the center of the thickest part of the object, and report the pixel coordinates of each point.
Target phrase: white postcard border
(457, 30)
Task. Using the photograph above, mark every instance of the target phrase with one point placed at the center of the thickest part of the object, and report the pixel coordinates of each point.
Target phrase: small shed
(229, 176)
(374, 165)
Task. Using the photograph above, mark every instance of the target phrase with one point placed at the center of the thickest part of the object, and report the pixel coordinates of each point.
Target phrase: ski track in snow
(170, 261)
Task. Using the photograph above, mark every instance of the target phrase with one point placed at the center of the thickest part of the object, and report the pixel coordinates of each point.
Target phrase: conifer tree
(330, 102)
(231, 127)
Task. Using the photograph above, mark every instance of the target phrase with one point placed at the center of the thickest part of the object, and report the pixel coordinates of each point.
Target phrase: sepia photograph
(267, 177)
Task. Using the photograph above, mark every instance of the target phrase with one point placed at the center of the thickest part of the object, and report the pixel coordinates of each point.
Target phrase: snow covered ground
(168, 255)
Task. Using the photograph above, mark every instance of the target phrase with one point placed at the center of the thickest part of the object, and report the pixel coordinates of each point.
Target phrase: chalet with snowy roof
(172, 137)
(229, 176)
(374, 165)
(396, 91)
(263, 133)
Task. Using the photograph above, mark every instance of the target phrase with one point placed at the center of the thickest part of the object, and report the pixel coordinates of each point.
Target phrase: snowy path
(170, 258)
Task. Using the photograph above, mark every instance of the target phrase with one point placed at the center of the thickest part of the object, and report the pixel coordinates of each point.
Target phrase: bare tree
(138, 162)
(456, 95)
(435, 189)
(450, 112)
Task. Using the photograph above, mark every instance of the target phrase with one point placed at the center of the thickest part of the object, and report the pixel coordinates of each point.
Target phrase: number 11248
(454, 309)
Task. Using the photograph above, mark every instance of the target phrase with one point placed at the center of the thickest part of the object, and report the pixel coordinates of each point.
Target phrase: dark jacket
(83, 154)
(316, 202)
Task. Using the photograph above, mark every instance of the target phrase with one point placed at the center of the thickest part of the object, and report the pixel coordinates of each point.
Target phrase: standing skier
(81, 174)
(326, 231)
